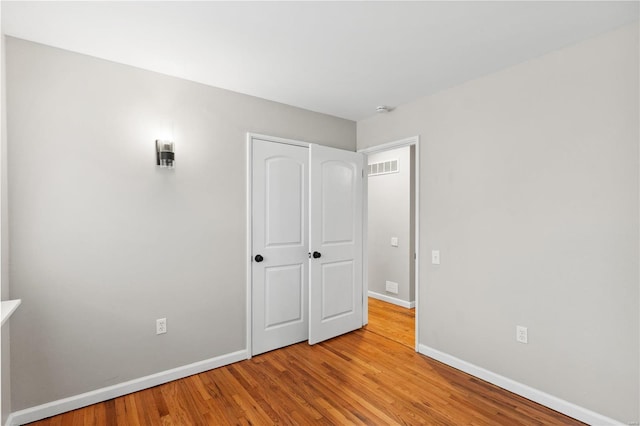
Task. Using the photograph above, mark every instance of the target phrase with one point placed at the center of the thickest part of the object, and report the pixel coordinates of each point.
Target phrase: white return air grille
(383, 168)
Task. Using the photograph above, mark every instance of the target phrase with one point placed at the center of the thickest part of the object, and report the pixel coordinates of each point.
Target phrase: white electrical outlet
(392, 287)
(435, 257)
(394, 241)
(161, 326)
(521, 334)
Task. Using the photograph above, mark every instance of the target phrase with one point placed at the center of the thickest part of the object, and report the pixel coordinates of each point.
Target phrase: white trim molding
(60, 406)
(394, 300)
(251, 136)
(413, 140)
(249, 246)
(543, 398)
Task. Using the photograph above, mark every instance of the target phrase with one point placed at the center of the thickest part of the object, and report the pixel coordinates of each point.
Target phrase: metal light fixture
(165, 155)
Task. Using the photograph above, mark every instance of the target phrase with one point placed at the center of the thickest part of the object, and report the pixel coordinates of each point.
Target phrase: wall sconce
(165, 155)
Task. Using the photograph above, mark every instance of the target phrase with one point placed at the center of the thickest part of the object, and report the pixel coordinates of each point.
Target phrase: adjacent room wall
(103, 242)
(529, 187)
(389, 199)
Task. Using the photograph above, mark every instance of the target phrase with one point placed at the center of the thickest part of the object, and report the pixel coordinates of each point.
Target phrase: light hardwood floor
(392, 321)
(371, 376)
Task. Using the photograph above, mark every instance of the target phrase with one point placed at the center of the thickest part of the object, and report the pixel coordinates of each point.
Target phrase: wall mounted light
(165, 155)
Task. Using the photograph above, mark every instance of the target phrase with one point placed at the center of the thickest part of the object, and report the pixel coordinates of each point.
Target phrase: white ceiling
(339, 58)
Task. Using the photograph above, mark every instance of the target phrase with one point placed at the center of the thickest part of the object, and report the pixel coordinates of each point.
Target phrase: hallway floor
(392, 321)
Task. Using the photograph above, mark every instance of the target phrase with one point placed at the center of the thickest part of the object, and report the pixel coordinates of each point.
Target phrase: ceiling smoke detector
(382, 109)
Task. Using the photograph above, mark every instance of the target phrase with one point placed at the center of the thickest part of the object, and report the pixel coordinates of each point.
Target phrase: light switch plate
(394, 241)
(435, 257)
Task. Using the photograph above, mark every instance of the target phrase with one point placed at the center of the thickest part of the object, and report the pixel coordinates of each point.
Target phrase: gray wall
(389, 201)
(103, 242)
(529, 187)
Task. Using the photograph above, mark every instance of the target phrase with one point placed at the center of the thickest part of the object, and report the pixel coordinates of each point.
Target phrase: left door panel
(280, 247)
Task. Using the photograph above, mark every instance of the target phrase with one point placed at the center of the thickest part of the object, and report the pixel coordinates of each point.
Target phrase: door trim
(249, 216)
(411, 141)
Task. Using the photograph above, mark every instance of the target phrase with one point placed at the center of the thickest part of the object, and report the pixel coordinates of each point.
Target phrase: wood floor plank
(175, 403)
(148, 416)
(293, 402)
(159, 402)
(110, 412)
(371, 376)
(392, 321)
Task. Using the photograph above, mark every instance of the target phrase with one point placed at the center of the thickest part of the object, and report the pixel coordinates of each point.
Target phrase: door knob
(259, 258)
(316, 255)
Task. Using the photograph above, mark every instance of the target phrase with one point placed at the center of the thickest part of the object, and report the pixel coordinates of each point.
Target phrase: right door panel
(335, 293)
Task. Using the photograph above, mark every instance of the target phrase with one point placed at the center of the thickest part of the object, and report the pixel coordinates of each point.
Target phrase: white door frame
(249, 242)
(412, 141)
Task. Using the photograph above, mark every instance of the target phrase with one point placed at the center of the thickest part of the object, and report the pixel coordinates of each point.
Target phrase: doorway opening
(392, 240)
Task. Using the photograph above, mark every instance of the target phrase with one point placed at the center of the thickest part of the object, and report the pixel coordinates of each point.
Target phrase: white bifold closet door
(306, 244)
(335, 295)
(280, 267)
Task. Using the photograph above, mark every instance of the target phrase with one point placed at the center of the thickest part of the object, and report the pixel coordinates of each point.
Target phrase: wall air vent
(383, 168)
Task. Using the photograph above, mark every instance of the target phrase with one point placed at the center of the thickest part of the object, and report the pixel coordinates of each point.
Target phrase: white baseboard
(53, 408)
(394, 300)
(557, 404)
